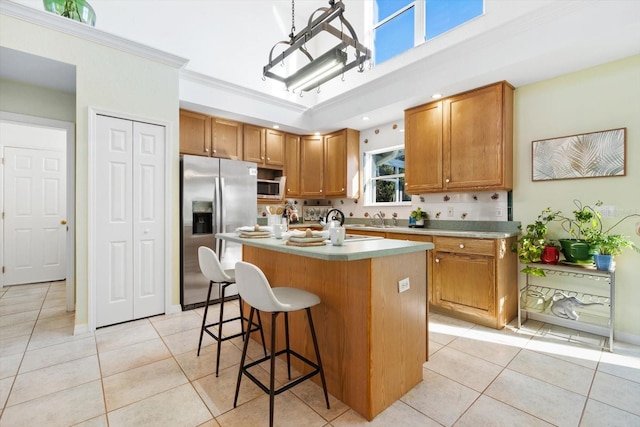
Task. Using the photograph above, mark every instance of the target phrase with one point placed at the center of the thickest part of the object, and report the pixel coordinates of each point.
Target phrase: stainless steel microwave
(271, 188)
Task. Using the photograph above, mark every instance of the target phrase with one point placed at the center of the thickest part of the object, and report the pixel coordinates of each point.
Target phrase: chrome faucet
(378, 215)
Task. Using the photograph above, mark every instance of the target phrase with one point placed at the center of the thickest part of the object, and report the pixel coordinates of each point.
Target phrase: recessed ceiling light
(365, 117)
(276, 127)
(316, 133)
(436, 96)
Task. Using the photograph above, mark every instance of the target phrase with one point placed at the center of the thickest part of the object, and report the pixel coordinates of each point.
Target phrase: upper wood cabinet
(423, 149)
(264, 146)
(311, 166)
(341, 164)
(195, 133)
(253, 144)
(461, 143)
(226, 139)
(274, 148)
(292, 165)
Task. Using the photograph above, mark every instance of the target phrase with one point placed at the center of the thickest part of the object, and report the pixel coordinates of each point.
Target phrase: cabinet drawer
(464, 245)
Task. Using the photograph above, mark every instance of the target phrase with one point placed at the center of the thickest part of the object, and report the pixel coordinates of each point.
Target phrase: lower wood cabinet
(475, 279)
(469, 278)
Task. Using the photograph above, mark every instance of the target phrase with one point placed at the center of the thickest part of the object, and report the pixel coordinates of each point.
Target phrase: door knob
(63, 222)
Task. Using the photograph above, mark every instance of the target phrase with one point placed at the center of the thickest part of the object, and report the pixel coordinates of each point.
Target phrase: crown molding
(89, 33)
(240, 91)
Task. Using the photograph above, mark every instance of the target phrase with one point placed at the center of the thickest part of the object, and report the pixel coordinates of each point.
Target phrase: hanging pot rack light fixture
(326, 66)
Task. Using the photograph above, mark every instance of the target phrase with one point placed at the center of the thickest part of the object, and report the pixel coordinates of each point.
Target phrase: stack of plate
(253, 233)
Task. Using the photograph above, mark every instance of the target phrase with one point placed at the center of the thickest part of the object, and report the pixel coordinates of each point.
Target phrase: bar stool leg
(242, 359)
(204, 318)
(272, 374)
(222, 300)
(315, 345)
(286, 337)
(264, 343)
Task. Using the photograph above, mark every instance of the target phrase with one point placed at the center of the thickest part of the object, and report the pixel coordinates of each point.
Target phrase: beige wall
(599, 98)
(21, 98)
(113, 80)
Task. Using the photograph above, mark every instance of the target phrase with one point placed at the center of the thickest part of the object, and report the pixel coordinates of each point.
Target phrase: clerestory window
(400, 25)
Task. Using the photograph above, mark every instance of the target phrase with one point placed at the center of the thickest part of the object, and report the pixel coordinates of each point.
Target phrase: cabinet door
(311, 166)
(253, 144)
(195, 133)
(227, 139)
(465, 283)
(292, 165)
(474, 150)
(335, 164)
(274, 148)
(423, 149)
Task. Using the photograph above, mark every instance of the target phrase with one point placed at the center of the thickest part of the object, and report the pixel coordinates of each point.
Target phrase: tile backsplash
(471, 206)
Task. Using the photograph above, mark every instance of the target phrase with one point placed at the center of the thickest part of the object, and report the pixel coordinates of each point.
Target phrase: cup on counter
(337, 235)
(278, 229)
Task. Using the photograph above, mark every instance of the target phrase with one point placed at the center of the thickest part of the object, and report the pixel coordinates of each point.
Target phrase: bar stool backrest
(210, 266)
(254, 288)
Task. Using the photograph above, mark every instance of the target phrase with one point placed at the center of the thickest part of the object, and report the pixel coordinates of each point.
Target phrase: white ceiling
(523, 42)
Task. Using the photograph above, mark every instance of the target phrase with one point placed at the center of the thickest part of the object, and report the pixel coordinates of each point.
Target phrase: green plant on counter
(418, 214)
(533, 240)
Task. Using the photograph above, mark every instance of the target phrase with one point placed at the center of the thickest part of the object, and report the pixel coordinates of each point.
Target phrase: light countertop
(478, 234)
(349, 251)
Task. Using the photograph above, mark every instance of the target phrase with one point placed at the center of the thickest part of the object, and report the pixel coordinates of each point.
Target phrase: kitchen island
(372, 337)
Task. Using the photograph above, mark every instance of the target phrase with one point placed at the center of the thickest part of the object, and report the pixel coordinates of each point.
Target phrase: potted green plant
(533, 242)
(418, 216)
(589, 238)
(610, 245)
(583, 227)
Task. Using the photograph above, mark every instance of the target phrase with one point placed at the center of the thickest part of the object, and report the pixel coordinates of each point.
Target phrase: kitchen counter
(349, 251)
(372, 337)
(478, 232)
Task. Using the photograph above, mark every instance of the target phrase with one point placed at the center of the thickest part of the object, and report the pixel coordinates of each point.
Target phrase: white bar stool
(212, 270)
(255, 290)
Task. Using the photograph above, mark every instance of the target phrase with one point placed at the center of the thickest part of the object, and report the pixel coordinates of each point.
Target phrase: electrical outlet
(607, 211)
(450, 211)
(499, 211)
(403, 285)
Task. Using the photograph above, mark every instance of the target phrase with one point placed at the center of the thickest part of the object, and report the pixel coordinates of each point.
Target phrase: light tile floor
(146, 373)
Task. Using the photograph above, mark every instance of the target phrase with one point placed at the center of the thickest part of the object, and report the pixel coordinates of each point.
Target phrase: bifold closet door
(130, 162)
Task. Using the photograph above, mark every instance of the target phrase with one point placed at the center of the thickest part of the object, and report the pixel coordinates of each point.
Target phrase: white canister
(337, 235)
(278, 229)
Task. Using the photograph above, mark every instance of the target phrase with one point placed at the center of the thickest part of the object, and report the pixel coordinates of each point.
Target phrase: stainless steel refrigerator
(216, 196)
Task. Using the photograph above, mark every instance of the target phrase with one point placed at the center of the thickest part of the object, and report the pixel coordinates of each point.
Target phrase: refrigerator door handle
(222, 218)
(216, 215)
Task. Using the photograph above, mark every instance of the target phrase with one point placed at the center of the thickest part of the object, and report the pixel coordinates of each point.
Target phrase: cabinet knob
(63, 221)
(261, 157)
(342, 189)
(461, 245)
(437, 259)
(268, 158)
(321, 191)
(215, 151)
(446, 180)
(206, 150)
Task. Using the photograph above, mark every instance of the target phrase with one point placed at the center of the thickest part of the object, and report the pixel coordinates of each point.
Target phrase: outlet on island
(403, 285)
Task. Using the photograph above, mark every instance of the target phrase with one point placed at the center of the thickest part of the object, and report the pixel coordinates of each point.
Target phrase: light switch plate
(403, 285)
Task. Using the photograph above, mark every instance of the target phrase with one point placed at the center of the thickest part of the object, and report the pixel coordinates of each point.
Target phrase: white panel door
(130, 241)
(114, 221)
(148, 219)
(35, 209)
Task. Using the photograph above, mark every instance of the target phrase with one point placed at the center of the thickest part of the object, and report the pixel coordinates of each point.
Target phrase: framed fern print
(588, 155)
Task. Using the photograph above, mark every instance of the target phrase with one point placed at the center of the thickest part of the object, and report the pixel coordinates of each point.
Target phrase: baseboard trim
(81, 329)
(626, 338)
